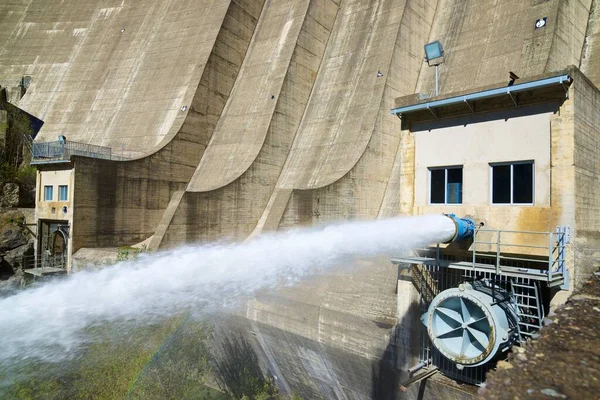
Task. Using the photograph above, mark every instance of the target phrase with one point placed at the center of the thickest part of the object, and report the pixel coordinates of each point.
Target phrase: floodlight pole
(437, 91)
(434, 53)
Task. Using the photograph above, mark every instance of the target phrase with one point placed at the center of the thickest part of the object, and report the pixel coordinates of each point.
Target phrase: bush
(168, 360)
(26, 175)
(8, 172)
(125, 253)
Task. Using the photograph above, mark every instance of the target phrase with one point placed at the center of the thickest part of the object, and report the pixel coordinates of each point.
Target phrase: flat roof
(470, 98)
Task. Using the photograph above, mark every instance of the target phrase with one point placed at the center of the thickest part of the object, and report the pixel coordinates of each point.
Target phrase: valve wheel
(461, 330)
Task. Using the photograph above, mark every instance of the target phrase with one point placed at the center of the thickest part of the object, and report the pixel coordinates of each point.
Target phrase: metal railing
(538, 255)
(547, 249)
(44, 261)
(45, 152)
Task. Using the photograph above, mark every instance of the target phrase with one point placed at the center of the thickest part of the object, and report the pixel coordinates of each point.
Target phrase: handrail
(45, 152)
(43, 260)
(556, 249)
(526, 232)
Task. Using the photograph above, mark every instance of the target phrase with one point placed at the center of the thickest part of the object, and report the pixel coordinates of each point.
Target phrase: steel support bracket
(433, 112)
(472, 108)
(403, 387)
(513, 98)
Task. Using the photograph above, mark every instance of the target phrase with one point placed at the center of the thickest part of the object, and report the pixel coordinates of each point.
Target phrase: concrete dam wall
(246, 116)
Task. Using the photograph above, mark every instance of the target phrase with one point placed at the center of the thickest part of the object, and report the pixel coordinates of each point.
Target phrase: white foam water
(49, 322)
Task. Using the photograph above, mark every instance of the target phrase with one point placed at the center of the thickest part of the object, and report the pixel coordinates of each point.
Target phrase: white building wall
(475, 146)
(53, 210)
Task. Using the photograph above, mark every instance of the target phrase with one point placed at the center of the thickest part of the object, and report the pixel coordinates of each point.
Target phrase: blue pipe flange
(465, 228)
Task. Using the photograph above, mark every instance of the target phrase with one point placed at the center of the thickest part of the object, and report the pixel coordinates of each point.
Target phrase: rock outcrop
(16, 245)
(9, 195)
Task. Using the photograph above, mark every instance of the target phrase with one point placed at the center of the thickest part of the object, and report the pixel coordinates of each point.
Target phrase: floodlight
(434, 55)
(62, 139)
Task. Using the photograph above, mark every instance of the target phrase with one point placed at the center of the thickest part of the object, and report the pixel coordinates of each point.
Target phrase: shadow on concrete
(238, 370)
(402, 348)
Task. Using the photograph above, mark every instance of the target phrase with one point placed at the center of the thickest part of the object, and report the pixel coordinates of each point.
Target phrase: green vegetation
(238, 370)
(167, 360)
(18, 130)
(22, 174)
(162, 361)
(125, 253)
(15, 153)
(12, 217)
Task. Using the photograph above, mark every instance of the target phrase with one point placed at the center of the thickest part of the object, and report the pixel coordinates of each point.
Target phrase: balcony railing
(44, 264)
(49, 152)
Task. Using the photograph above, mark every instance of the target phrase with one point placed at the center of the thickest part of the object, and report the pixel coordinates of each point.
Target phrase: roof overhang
(527, 93)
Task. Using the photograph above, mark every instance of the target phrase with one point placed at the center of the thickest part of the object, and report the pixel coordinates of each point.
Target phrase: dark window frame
(511, 164)
(430, 182)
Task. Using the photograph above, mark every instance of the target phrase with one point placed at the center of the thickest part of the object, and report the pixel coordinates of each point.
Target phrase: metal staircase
(530, 309)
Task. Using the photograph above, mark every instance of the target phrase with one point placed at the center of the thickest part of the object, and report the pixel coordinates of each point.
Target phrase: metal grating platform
(540, 275)
(44, 271)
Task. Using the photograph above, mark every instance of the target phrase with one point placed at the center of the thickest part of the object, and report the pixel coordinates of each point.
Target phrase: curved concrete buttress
(572, 21)
(135, 198)
(234, 209)
(342, 111)
(481, 51)
(399, 196)
(590, 54)
(359, 192)
(110, 73)
(241, 130)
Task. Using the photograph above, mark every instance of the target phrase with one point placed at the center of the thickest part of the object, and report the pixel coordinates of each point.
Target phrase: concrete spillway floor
(564, 363)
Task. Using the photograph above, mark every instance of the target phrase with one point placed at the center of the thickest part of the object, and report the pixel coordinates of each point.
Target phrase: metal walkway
(541, 259)
(44, 271)
(557, 277)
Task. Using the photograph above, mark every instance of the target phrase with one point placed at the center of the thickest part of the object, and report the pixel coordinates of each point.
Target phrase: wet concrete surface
(564, 363)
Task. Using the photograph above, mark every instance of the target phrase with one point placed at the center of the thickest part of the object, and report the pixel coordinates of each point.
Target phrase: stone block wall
(586, 161)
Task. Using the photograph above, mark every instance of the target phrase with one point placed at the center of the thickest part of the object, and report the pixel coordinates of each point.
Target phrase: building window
(63, 193)
(48, 193)
(512, 183)
(445, 185)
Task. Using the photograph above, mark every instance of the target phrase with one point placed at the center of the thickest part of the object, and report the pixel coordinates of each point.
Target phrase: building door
(54, 243)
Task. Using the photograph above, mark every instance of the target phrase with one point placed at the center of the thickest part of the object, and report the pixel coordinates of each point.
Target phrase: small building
(56, 183)
(54, 215)
(521, 158)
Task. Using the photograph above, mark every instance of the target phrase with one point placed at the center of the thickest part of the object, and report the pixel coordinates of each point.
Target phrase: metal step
(528, 306)
(529, 325)
(527, 296)
(521, 285)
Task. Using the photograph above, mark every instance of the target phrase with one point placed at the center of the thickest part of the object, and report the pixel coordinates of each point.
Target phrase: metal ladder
(529, 307)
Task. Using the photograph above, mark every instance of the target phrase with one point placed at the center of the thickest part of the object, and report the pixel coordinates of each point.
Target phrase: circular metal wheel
(461, 329)
(469, 324)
